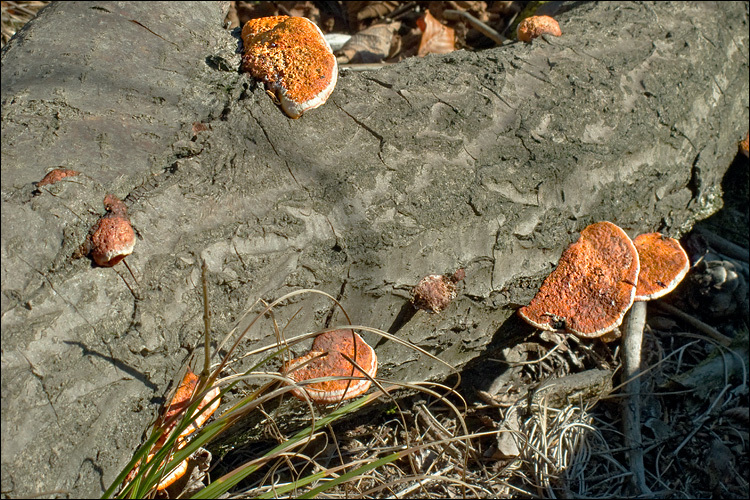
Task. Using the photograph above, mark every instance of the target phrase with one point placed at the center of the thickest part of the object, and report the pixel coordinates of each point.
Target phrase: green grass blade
(353, 473)
(231, 479)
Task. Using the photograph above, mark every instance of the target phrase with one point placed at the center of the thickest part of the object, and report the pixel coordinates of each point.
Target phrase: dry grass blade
(559, 449)
(17, 14)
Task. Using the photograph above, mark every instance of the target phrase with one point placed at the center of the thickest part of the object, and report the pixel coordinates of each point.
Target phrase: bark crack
(40, 378)
(379, 137)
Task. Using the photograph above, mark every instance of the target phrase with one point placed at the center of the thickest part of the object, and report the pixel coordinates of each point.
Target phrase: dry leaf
(436, 38)
(360, 12)
(719, 460)
(301, 9)
(370, 45)
(741, 414)
(232, 20)
(476, 9)
(253, 10)
(507, 438)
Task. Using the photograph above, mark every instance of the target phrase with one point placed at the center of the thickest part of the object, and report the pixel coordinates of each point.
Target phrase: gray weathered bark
(489, 161)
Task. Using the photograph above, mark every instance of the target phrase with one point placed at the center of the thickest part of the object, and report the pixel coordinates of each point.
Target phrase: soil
(488, 161)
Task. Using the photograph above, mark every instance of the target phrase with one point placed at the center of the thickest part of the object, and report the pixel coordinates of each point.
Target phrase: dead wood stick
(696, 323)
(723, 245)
(453, 15)
(632, 339)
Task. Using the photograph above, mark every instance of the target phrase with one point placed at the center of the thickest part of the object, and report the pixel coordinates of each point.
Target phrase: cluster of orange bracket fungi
(328, 358)
(112, 238)
(535, 26)
(599, 276)
(168, 421)
(433, 293)
(291, 57)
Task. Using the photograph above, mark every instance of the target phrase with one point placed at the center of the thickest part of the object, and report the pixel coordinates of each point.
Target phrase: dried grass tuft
(15, 15)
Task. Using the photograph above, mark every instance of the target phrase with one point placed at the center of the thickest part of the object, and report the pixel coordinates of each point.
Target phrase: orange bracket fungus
(167, 421)
(326, 359)
(433, 293)
(591, 288)
(112, 238)
(535, 26)
(56, 175)
(181, 401)
(663, 265)
(291, 57)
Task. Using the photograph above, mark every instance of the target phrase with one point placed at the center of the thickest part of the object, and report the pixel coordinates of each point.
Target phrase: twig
(131, 271)
(723, 245)
(363, 66)
(701, 420)
(509, 23)
(632, 339)
(136, 296)
(422, 482)
(454, 15)
(696, 323)
(401, 10)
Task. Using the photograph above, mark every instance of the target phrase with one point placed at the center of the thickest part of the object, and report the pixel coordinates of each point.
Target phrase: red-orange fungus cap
(112, 238)
(592, 287)
(325, 359)
(663, 265)
(290, 55)
(535, 26)
(180, 402)
(182, 399)
(56, 175)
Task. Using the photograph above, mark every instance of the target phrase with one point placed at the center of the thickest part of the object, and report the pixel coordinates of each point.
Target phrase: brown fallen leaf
(363, 13)
(253, 10)
(436, 38)
(371, 45)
